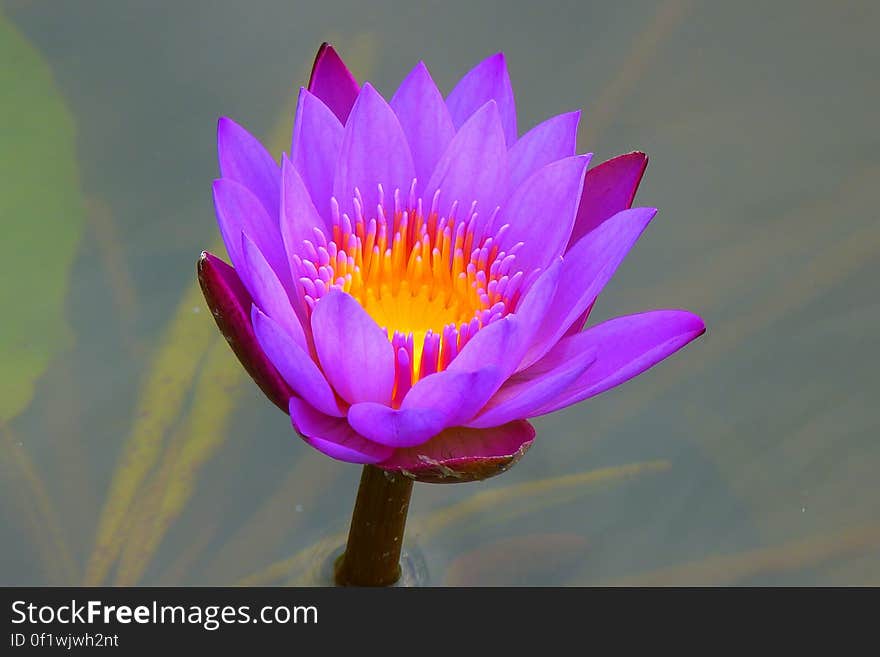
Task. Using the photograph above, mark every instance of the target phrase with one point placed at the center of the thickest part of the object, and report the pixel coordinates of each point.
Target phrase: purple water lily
(411, 283)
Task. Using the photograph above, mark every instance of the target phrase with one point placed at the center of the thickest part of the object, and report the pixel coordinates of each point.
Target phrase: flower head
(411, 282)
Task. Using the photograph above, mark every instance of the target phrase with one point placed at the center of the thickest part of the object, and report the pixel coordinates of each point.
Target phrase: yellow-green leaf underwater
(41, 214)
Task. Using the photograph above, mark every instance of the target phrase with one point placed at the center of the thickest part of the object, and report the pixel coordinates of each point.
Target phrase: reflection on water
(135, 451)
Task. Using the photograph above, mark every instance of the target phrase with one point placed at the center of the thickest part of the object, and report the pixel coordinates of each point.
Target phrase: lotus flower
(411, 283)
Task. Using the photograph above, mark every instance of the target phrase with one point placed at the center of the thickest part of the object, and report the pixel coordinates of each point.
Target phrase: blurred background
(134, 449)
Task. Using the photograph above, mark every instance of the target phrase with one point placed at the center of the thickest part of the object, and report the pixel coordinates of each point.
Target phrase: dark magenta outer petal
(332, 82)
(230, 305)
(609, 187)
(460, 455)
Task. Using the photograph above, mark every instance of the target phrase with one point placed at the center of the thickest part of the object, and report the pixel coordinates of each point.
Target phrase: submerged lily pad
(41, 218)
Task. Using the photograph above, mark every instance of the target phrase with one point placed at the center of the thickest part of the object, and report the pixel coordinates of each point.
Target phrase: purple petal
(425, 119)
(531, 310)
(542, 210)
(608, 188)
(503, 343)
(625, 347)
(491, 346)
(457, 394)
(547, 142)
(268, 293)
(436, 402)
(459, 454)
(299, 217)
(580, 322)
(317, 140)
(392, 427)
(333, 436)
(245, 160)
(474, 165)
(239, 211)
(294, 364)
(374, 151)
(332, 82)
(450, 397)
(230, 305)
(531, 389)
(587, 267)
(354, 352)
(487, 81)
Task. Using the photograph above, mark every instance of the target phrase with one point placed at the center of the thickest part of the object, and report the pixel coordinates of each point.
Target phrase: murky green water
(749, 458)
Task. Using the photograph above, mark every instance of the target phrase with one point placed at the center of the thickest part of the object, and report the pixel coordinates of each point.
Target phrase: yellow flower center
(430, 281)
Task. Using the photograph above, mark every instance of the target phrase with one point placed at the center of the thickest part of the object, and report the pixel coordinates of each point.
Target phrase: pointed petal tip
(488, 79)
(644, 214)
(205, 266)
(627, 347)
(325, 45)
(333, 82)
(326, 52)
(224, 123)
(610, 187)
(575, 116)
(698, 323)
(371, 93)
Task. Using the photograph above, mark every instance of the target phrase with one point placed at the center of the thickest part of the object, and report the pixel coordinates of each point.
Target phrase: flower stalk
(372, 554)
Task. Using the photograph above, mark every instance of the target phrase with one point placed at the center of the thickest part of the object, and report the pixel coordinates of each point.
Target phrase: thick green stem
(372, 554)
